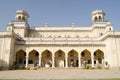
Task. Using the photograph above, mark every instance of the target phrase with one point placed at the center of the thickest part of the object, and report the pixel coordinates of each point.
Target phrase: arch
(19, 17)
(59, 53)
(33, 53)
(86, 57)
(100, 18)
(59, 58)
(85, 53)
(20, 59)
(23, 18)
(95, 18)
(73, 58)
(33, 58)
(21, 52)
(98, 56)
(72, 53)
(46, 60)
(46, 53)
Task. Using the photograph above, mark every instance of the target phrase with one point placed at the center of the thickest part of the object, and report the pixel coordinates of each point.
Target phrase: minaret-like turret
(20, 26)
(21, 15)
(98, 16)
(100, 26)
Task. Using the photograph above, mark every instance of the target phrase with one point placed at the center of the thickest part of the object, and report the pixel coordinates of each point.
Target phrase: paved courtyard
(54, 74)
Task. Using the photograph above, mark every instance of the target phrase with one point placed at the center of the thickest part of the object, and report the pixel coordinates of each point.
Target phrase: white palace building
(60, 47)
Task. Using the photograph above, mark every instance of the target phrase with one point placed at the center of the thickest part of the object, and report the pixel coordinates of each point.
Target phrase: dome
(98, 12)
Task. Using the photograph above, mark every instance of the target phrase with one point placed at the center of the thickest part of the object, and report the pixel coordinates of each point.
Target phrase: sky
(60, 12)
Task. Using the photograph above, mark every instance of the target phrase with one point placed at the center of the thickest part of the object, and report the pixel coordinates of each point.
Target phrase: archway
(100, 18)
(33, 58)
(59, 58)
(86, 57)
(23, 18)
(46, 59)
(19, 17)
(20, 58)
(72, 58)
(95, 19)
(98, 57)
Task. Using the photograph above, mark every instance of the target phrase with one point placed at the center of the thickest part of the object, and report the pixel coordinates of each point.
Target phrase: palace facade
(63, 47)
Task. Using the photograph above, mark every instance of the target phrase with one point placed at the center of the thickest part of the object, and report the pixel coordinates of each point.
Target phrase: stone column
(53, 61)
(26, 61)
(92, 58)
(79, 60)
(39, 61)
(66, 61)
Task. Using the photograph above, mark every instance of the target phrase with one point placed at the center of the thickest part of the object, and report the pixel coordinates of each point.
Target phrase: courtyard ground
(53, 74)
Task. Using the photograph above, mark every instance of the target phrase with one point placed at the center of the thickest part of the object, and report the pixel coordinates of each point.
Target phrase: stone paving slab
(53, 74)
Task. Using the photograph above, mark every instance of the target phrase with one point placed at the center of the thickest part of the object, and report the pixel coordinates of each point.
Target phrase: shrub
(35, 68)
(98, 67)
(27, 68)
(90, 67)
(20, 67)
(107, 68)
(35, 64)
(85, 65)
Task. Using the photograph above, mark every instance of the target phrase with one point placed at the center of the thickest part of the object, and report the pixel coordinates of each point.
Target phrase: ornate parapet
(6, 34)
(60, 42)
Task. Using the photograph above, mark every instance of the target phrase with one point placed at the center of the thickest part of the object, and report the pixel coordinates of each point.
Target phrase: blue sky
(60, 12)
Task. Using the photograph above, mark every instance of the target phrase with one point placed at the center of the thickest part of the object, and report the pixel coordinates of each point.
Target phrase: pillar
(66, 61)
(26, 65)
(39, 61)
(92, 58)
(53, 61)
(79, 60)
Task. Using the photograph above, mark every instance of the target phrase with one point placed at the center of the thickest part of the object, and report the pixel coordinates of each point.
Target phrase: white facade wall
(98, 36)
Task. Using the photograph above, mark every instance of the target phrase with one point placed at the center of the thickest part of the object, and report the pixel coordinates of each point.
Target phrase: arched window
(23, 18)
(100, 18)
(95, 19)
(101, 34)
(110, 29)
(19, 17)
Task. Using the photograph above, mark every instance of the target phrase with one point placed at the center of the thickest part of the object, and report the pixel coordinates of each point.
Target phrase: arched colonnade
(59, 58)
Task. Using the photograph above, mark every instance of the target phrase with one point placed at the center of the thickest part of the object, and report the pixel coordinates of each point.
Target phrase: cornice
(64, 45)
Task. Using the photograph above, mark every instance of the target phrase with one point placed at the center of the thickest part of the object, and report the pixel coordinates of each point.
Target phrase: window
(110, 29)
(23, 18)
(100, 18)
(95, 19)
(19, 17)
(101, 34)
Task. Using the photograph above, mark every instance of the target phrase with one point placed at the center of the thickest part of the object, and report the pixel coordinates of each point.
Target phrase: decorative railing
(61, 42)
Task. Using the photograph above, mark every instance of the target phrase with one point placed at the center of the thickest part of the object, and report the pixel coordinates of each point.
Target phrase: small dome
(21, 15)
(98, 16)
(22, 12)
(98, 12)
